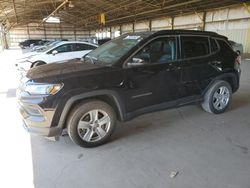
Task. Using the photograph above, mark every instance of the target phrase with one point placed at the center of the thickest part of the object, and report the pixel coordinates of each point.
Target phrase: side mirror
(142, 59)
(136, 62)
(54, 52)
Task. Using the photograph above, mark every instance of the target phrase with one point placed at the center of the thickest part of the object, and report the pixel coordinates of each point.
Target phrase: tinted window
(159, 50)
(194, 46)
(214, 46)
(82, 47)
(231, 42)
(225, 47)
(64, 48)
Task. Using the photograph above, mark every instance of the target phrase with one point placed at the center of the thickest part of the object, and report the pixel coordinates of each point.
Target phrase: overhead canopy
(85, 13)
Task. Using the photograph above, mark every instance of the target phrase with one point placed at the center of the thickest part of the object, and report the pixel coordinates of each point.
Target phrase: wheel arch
(110, 97)
(38, 61)
(231, 78)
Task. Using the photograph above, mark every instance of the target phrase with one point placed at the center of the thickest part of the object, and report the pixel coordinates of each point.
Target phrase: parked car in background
(126, 77)
(57, 52)
(43, 46)
(102, 41)
(237, 47)
(40, 43)
(27, 43)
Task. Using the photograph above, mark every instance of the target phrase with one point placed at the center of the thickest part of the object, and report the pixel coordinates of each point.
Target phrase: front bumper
(37, 120)
(47, 132)
(23, 66)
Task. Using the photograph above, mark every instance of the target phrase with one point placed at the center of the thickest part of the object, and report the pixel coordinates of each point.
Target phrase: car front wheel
(37, 63)
(91, 123)
(218, 97)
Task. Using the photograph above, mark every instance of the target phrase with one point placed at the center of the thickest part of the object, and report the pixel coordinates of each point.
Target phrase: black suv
(126, 77)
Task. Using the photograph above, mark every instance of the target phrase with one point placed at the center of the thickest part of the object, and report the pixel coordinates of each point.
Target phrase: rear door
(196, 58)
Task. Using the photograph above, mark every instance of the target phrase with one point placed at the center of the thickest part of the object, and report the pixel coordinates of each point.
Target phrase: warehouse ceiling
(85, 13)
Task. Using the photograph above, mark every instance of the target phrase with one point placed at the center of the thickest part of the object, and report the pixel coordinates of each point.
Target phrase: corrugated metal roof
(84, 13)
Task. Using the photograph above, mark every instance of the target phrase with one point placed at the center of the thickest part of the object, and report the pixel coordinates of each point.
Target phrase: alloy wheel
(94, 125)
(221, 98)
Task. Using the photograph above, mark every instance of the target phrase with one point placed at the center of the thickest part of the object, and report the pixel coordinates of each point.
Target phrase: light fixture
(71, 5)
(52, 19)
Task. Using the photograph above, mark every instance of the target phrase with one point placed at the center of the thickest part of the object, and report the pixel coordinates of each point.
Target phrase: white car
(57, 52)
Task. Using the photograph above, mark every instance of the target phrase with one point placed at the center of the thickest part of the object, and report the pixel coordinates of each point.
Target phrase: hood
(60, 69)
(28, 55)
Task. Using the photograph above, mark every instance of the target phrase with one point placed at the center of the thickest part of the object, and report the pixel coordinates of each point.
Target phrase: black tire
(37, 63)
(79, 112)
(209, 100)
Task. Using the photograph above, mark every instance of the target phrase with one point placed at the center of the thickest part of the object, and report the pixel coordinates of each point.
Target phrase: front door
(153, 74)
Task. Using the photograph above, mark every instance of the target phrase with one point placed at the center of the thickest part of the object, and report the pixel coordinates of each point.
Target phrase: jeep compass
(131, 75)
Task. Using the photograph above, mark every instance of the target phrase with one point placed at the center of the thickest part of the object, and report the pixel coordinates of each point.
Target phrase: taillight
(238, 60)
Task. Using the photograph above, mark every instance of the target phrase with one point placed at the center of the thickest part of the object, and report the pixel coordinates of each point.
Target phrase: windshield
(48, 46)
(112, 51)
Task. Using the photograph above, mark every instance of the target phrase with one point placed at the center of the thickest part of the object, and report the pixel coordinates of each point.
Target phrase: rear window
(194, 46)
(225, 47)
(82, 47)
(214, 46)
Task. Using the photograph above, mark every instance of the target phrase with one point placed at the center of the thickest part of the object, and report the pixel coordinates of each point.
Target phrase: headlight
(43, 89)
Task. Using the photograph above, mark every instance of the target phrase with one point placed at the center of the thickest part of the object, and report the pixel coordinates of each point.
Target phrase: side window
(64, 48)
(214, 46)
(90, 47)
(194, 46)
(158, 51)
(82, 47)
(225, 47)
(79, 47)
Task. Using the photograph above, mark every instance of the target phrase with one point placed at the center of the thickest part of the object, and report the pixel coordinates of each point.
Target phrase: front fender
(69, 103)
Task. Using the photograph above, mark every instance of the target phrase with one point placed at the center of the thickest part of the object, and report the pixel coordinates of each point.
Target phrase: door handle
(215, 63)
(174, 68)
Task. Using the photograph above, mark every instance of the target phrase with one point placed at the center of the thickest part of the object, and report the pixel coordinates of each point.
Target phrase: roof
(84, 14)
(70, 42)
(190, 32)
(177, 31)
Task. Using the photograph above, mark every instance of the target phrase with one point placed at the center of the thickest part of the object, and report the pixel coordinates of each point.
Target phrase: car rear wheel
(218, 97)
(91, 123)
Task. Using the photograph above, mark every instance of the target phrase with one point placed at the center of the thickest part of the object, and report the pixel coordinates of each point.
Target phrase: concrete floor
(208, 151)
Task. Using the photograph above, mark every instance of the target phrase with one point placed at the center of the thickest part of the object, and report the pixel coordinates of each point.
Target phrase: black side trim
(164, 106)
